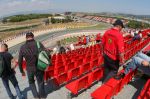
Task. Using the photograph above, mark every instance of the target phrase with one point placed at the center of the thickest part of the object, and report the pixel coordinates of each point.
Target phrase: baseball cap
(118, 22)
(29, 34)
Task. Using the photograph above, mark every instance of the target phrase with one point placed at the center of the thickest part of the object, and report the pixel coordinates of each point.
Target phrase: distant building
(58, 17)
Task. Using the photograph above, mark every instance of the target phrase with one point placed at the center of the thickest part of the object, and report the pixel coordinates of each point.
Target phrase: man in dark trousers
(8, 73)
(29, 51)
(113, 48)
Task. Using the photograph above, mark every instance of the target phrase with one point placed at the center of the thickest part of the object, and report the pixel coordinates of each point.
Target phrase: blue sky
(123, 6)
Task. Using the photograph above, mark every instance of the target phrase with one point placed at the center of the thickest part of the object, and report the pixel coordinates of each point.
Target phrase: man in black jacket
(29, 51)
(8, 73)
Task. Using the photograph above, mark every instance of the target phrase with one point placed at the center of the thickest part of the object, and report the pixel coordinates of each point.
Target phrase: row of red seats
(86, 81)
(135, 48)
(128, 39)
(62, 74)
(61, 67)
(129, 46)
(145, 93)
(72, 71)
(82, 83)
(65, 60)
(112, 87)
(144, 35)
(74, 54)
(145, 32)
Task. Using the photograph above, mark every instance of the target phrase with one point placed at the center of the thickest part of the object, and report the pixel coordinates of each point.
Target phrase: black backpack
(1, 65)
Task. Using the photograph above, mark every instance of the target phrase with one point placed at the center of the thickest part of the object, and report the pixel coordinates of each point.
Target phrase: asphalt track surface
(13, 50)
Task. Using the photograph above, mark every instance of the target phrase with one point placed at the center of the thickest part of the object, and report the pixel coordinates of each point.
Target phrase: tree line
(137, 25)
(20, 18)
(66, 20)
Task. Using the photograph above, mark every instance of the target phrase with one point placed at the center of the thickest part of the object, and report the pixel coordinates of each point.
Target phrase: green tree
(136, 24)
(53, 21)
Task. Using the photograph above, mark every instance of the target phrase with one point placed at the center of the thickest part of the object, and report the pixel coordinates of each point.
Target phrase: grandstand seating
(85, 81)
(74, 73)
(103, 92)
(82, 67)
(73, 64)
(112, 87)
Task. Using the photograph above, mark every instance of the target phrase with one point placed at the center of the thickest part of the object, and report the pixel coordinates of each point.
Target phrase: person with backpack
(7, 72)
(34, 53)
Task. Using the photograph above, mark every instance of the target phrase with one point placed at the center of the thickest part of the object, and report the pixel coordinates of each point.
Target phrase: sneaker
(120, 76)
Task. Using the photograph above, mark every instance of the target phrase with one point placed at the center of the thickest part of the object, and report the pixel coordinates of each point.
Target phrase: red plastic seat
(66, 61)
(82, 56)
(147, 85)
(78, 85)
(94, 63)
(95, 75)
(59, 64)
(59, 70)
(100, 60)
(103, 92)
(78, 62)
(94, 55)
(58, 57)
(84, 68)
(114, 84)
(60, 79)
(145, 93)
(70, 66)
(73, 73)
(87, 59)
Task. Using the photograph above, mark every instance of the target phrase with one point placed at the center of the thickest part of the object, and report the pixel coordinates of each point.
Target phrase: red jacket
(113, 43)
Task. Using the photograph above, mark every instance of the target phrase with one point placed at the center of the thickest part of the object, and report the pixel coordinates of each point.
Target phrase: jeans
(14, 81)
(136, 62)
(40, 81)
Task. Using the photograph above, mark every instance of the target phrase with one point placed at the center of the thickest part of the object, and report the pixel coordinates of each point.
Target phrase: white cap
(140, 35)
(136, 32)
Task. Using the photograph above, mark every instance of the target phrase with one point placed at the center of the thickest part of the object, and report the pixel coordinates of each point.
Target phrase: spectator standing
(8, 73)
(113, 48)
(29, 51)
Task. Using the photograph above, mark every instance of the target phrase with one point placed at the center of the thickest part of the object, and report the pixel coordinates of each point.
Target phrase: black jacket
(29, 51)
